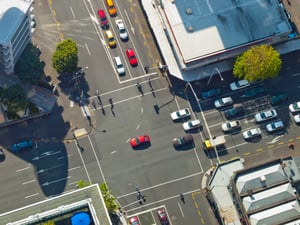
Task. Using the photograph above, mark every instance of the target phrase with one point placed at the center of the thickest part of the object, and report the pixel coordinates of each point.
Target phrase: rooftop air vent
(189, 11)
(262, 179)
(190, 28)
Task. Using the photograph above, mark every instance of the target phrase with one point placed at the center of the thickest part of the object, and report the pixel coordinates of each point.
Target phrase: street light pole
(188, 84)
(212, 73)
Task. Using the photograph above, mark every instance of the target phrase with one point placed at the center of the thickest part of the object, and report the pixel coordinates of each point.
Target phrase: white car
(119, 65)
(183, 113)
(275, 126)
(251, 133)
(122, 30)
(192, 124)
(295, 107)
(230, 125)
(222, 102)
(266, 115)
(297, 118)
(239, 85)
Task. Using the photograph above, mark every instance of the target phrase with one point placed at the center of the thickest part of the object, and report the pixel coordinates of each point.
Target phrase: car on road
(223, 102)
(248, 134)
(266, 115)
(183, 140)
(253, 92)
(295, 107)
(234, 112)
(163, 217)
(22, 145)
(230, 125)
(103, 18)
(192, 124)
(277, 99)
(140, 140)
(210, 93)
(119, 65)
(297, 118)
(131, 57)
(134, 221)
(122, 30)
(274, 126)
(239, 85)
(2, 155)
(110, 39)
(180, 114)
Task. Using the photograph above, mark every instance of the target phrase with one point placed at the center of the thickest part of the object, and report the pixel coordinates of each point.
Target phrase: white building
(16, 27)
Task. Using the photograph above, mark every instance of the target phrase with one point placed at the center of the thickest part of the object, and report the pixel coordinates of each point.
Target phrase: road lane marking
(87, 48)
(86, 171)
(20, 170)
(179, 206)
(29, 196)
(28, 182)
(113, 152)
(137, 127)
(73, 14)
(74, 168)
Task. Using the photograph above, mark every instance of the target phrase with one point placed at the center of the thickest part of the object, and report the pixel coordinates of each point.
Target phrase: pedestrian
(139, 87)
(292, 145)
(182, 198)
(150, 84)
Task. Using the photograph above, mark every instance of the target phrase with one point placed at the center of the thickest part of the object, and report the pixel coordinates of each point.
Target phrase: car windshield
(190, 124)
(178, 113)
(237, 84)
(296, 106)
(122, 30)
(181, 140)
(137, 140)
(221, 101)
(103, 19)
(111, 39)
(228, 125)
(186, 111)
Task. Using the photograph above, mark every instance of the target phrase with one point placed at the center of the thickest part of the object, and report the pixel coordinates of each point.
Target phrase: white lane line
(137, 127)
(20, 170)
(29, 196)
(131, 27)
(164, 183)
(179, 206)
(28, 182)
(86, 171)
(73, 14)
(74, 168)
(142, 110)
(113, 152)
(296, 74)
(87, 48)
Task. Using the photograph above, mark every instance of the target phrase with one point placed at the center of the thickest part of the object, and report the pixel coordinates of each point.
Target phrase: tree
(258, 63)
(109, 199)
(29, 68)
(65, 57)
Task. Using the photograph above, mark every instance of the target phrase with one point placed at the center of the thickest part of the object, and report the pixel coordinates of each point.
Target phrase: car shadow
(185, 147)
(254, 139)
(194, 131)
(142, 147)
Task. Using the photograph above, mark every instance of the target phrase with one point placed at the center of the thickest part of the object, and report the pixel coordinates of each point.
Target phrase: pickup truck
(214, 142)
(22, 145)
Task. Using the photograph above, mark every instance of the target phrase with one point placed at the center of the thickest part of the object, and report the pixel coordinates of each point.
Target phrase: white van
(119, 65)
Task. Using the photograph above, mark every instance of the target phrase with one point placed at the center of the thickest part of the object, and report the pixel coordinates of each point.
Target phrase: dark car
(233, 112)
(163, 217)
(211, 93)
(2, 155)
(183, 140)
(277, 99)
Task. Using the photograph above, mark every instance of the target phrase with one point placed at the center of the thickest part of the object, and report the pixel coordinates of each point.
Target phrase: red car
(163, 218)
(134, 221)
(140, 140)
(103, 19)
(131, 57)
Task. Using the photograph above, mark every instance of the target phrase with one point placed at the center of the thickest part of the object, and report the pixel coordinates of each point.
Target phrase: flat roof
(90, 195)
(202, 28)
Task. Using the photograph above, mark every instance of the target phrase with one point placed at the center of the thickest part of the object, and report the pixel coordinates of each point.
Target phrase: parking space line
(29, 196)
(30, 181)
(20, 170)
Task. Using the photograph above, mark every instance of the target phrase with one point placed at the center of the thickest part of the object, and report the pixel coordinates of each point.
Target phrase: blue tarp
(81, 218)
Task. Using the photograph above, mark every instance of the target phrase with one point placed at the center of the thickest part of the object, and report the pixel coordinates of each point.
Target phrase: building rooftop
(85, 197)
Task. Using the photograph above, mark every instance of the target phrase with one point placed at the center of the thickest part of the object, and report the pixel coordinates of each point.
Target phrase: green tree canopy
(14, 98)
(258, 63)
(29, 68)
(65, 57)
(109, 199)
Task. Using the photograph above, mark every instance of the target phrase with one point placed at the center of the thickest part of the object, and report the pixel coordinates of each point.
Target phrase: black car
(2, 155)
(183, 140)
(233, 112)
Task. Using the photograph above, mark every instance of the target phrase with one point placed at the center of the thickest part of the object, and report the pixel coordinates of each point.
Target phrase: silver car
(227, 101)
(274, 126)
(230, 125)
(251, 133)
(239, 85)
(192, 124)
(266, 115)
(122, 30)
(183, 113)
(295, 107)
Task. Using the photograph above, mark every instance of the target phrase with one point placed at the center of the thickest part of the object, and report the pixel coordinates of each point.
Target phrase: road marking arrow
(275, 139)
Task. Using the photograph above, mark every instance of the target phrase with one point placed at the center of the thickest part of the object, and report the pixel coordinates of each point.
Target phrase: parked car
(251, 133)
(223, 102)
(22, 145)
(131, 57)
(297, 118)
(253, 92)
(266, 115)
(234, 112)
(163, 217)
(192, 124)
(210, 93)
(239, 85)
(277, 99)
(295, 107)
(103, 18)
(122, 30)
(180, 114)
(274, 126)
(140, 140)
(119, 65)
(134, 221)
(230, 125)
(2, 155)
(183, 140)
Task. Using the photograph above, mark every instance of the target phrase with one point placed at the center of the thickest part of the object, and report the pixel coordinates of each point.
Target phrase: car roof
(101, 13)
